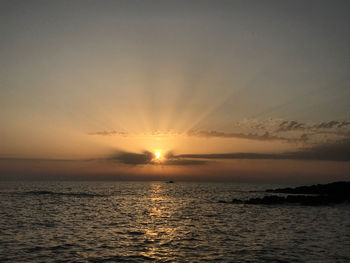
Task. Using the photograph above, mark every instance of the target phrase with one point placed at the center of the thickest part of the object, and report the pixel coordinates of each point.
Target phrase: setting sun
(175, 131)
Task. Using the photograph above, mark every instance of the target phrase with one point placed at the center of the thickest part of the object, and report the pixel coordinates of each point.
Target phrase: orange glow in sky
(175, 87)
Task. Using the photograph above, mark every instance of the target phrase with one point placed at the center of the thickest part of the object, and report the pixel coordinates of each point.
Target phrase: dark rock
(237, 201)
(333, 189)
(267, 200)
(328, 194)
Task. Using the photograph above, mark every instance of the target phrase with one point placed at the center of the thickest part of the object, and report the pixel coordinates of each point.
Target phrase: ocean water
(161, 222)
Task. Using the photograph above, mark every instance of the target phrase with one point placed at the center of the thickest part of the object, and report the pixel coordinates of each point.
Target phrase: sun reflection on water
(159, 232)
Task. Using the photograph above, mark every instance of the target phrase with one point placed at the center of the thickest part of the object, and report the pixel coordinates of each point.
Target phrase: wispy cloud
(251, 136)
(285, 126)
(184, 161)
(108, 133)
(333, 124)
(145, 157)
(293, 131)
(290, 126)
(330, 151)
(283, 130)
(333, 151)
(338, 151)
(261, 130)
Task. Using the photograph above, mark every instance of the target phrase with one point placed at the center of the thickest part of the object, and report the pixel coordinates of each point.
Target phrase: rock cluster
(321, 194)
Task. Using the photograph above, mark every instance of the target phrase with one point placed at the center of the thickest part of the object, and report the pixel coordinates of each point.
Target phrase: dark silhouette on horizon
(320, 194)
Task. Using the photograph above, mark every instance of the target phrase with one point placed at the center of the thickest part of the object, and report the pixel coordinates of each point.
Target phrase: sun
(157, 155)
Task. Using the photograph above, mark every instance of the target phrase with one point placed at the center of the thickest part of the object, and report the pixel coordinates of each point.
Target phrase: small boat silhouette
(170, 182)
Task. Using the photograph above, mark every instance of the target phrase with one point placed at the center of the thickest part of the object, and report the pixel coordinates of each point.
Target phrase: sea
(163, 222)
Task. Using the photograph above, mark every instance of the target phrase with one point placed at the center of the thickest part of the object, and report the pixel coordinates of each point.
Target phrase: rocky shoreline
(320, 194)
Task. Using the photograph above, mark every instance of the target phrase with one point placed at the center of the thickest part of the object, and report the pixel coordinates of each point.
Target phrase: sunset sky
(238, 90)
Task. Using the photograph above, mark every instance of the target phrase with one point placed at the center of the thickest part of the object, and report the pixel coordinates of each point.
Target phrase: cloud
(182, 161)
(228, 156)
(291, 131)
(290, 126)
(333, 151)
(37, 160)
(266, 136)
(147, 157)
(251, 136)
(285, 126)
(282, 125)
(133, 158)
(108, 133)
(295, 131)
(339, 151)
(333, 124)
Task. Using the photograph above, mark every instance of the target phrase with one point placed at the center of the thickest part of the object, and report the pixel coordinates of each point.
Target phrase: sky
(252, 91)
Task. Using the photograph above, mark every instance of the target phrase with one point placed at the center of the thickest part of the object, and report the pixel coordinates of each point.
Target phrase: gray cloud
(184, 161)
(264, 130)
(290, 126)
(251, 136)
(229, 156)
(295, 131)
(107, 133)
(339, 151)
(333, 151)
(332, 124)
(133, 158)
(285, 126)
(147, 157)
(207, 134)
(36, 160)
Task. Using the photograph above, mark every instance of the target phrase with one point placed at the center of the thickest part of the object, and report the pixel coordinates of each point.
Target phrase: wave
(75, 194)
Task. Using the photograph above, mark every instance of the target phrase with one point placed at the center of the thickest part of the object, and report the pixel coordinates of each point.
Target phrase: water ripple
(158, 222)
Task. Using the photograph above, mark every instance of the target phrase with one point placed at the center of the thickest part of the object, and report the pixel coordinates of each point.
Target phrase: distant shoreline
(314, 195)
